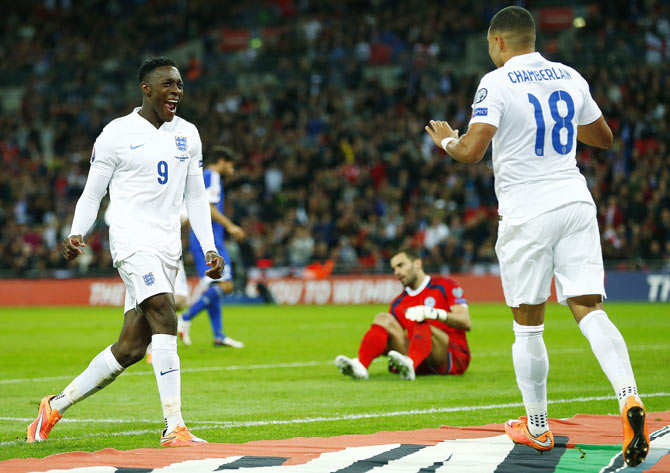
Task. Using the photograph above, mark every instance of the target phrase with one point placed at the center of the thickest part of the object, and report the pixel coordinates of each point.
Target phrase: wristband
(446, 141)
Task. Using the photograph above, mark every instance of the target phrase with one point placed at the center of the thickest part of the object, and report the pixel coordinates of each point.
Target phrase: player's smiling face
(163, 91)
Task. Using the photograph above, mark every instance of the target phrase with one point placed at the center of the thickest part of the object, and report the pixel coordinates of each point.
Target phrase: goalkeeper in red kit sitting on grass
(424, 330)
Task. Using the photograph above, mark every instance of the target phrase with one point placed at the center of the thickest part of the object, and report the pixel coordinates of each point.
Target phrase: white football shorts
(145, 275)
(563, 243)
(181, 284)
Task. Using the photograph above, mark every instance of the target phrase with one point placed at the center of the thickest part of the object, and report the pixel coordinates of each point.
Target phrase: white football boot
(403, 364)
(351, 367)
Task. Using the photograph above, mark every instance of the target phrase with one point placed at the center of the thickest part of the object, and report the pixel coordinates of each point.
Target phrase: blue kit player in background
(220, 162)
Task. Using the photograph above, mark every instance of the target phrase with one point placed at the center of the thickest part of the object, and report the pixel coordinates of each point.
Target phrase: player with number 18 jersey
(537, 106)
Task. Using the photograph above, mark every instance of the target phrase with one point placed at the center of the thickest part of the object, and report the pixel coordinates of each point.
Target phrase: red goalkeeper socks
(420, 344)
(373, 344)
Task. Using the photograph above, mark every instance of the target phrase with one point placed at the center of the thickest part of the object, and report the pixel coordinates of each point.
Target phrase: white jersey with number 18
(148, 169)
(537, 106)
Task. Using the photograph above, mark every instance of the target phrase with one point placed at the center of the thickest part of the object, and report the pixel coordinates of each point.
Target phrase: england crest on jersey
(180, 141)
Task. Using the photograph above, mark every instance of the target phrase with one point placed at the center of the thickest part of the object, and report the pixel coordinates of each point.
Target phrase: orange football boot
(517, 430)
(46, 419)
(635, 433)
(180, 437)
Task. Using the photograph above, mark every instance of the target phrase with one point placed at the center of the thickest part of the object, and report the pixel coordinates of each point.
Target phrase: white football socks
(531, 365)
(165, 361)
(102, 370)
(610, 350)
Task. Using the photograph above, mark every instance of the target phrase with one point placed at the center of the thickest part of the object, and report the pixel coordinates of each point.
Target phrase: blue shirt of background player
(215, 195)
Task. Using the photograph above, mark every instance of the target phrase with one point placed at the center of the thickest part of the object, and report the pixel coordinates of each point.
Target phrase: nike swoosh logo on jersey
(163, 373)
(135, 147)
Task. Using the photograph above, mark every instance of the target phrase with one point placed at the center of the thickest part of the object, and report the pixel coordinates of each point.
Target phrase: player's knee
(160, 303)
(129, 352)
(180, 302)
(590, 301)
(160, 312)
(385, 320)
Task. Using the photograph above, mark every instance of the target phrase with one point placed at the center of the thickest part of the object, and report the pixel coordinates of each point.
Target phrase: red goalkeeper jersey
(437, 292)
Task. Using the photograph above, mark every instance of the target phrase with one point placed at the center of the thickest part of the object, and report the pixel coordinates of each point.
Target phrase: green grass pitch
(283, 384)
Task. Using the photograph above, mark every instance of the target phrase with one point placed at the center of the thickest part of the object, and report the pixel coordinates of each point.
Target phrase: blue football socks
(210, 300)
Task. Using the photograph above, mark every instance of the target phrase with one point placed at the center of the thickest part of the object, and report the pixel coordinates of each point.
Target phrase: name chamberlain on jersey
(551, 73)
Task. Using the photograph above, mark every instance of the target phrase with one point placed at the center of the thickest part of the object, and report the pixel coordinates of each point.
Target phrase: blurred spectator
(326, 101)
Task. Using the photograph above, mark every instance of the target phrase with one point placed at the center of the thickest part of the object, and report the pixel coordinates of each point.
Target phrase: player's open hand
(419, 313)
(71, 247)
(215, 263)
(439, 130)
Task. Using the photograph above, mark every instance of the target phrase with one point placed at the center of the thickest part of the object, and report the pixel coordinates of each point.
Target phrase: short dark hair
(216, 152)
(515, 20)
(152, 64)
(413, 255)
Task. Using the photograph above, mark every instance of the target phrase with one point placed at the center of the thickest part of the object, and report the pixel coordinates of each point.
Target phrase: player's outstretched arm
(596, 134)
(469, 148)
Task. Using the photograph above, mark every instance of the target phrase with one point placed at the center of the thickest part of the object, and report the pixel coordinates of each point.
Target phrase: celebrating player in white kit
(151, 160)
(534, 111)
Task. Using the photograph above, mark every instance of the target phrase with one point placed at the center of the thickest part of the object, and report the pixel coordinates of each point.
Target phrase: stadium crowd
(327, 116)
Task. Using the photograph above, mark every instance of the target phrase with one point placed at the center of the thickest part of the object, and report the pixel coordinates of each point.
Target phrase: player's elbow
(470, 156)
(603, 140)
(467, 325)
(608, 139)
(461, 314)
(473, 152)
(475, 158)
(597, 134)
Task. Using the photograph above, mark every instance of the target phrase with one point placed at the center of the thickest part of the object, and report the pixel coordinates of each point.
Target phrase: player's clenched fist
(215, 263)
(419, 313)
(71, 247)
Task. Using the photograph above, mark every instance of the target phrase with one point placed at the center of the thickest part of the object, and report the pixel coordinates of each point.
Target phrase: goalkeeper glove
(420, 313)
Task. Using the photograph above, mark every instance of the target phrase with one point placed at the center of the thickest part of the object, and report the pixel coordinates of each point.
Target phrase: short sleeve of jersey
(456, 295)
(103, 157)
(488, 105)
(590, 111)
(195, 152)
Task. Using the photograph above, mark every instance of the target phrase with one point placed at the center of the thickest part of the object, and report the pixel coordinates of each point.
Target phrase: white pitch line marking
(208, 425)
(184, 370)
(301, 364)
